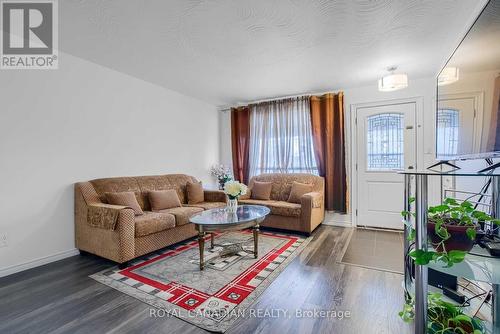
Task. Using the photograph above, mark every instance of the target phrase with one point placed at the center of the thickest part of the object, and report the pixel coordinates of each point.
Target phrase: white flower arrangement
(234, 189)
(222, 173)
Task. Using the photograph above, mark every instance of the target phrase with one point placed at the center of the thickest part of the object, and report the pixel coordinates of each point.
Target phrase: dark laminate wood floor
(61, 298)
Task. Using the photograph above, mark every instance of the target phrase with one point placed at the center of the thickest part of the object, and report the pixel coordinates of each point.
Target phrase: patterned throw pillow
(262, 190)
(195, 193)
(126, 199)
(163, 199)
(298, 189)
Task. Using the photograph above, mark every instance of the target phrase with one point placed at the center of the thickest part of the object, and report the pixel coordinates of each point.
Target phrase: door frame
(478, 100)
(419, 142)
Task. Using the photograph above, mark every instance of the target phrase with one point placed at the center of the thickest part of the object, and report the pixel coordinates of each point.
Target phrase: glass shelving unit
(475, 267)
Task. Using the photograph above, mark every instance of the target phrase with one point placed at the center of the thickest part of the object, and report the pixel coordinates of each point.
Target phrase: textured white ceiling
(228, 51)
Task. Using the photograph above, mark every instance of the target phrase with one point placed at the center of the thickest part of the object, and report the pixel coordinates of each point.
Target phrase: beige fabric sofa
(303, 217)
(115, 233)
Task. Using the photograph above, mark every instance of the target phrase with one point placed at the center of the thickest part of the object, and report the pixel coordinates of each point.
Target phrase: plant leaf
(471, 233)
(441, 231)
(418, 257)
(456, 256)
(466, 204)
(440, 208)
(405, 213)
(463, 318)
(450, 201)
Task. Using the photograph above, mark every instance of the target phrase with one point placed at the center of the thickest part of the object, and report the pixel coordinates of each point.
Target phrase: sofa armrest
(110, 234)
(215, 196)
(119, 220)
(312, 200)
(313, 210)
(106, 216)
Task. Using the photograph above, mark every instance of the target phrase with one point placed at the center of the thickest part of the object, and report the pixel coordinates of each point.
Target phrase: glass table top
(220, 216)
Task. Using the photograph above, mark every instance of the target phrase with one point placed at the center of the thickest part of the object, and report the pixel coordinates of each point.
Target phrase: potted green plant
(444, 317)
(452, 228)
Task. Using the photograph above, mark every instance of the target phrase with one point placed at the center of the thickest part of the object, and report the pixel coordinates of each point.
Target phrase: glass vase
(232, 205)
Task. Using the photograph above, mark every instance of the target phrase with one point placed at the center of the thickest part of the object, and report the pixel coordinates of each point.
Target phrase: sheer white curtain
(281, 138)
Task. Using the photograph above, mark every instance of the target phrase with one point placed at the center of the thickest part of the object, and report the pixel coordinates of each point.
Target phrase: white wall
(80, 122)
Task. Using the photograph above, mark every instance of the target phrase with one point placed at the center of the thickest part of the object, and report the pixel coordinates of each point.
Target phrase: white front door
(386, 143)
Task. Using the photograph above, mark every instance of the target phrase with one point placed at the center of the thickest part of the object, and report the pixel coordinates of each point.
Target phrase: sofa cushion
(207, 205)
(261, 190)
(126, 198)
(282, 183)
(163, 199)
(298, 189)
(116, 185)
(280, 208)
(162, 182)
(182, 214)
(153, 222)
(194, 191)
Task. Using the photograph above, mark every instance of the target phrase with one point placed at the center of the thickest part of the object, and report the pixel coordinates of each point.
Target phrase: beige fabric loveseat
(115, 233)
(303, 217)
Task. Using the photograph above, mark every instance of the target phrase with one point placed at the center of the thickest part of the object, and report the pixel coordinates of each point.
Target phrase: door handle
(410, 167)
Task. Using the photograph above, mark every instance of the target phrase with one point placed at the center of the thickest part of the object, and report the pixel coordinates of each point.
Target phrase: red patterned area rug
(170, 280)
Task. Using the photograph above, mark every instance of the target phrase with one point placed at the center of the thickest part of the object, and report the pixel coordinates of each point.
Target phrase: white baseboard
(340, 224)
(37, 262)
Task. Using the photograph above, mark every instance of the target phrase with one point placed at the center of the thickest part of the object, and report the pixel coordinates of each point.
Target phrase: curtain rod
(241, 104)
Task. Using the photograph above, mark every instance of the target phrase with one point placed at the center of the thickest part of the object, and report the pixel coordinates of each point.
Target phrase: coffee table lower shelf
(222, 220)
(201, 243)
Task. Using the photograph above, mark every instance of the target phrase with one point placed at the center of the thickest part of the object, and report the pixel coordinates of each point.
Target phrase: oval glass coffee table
(220, 220)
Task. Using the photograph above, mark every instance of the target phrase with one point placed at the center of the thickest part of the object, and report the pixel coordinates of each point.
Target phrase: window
(385, 142)
(281, 138)
(447, 132)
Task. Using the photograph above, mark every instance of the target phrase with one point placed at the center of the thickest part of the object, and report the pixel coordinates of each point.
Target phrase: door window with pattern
(385, 142)
(447, 132)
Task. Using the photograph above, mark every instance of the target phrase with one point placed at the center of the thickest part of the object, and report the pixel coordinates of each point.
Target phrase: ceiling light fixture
(448, 76)
(393, 81)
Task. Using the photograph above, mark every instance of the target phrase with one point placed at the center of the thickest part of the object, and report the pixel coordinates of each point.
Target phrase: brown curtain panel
(327, 121)
(240, 141)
